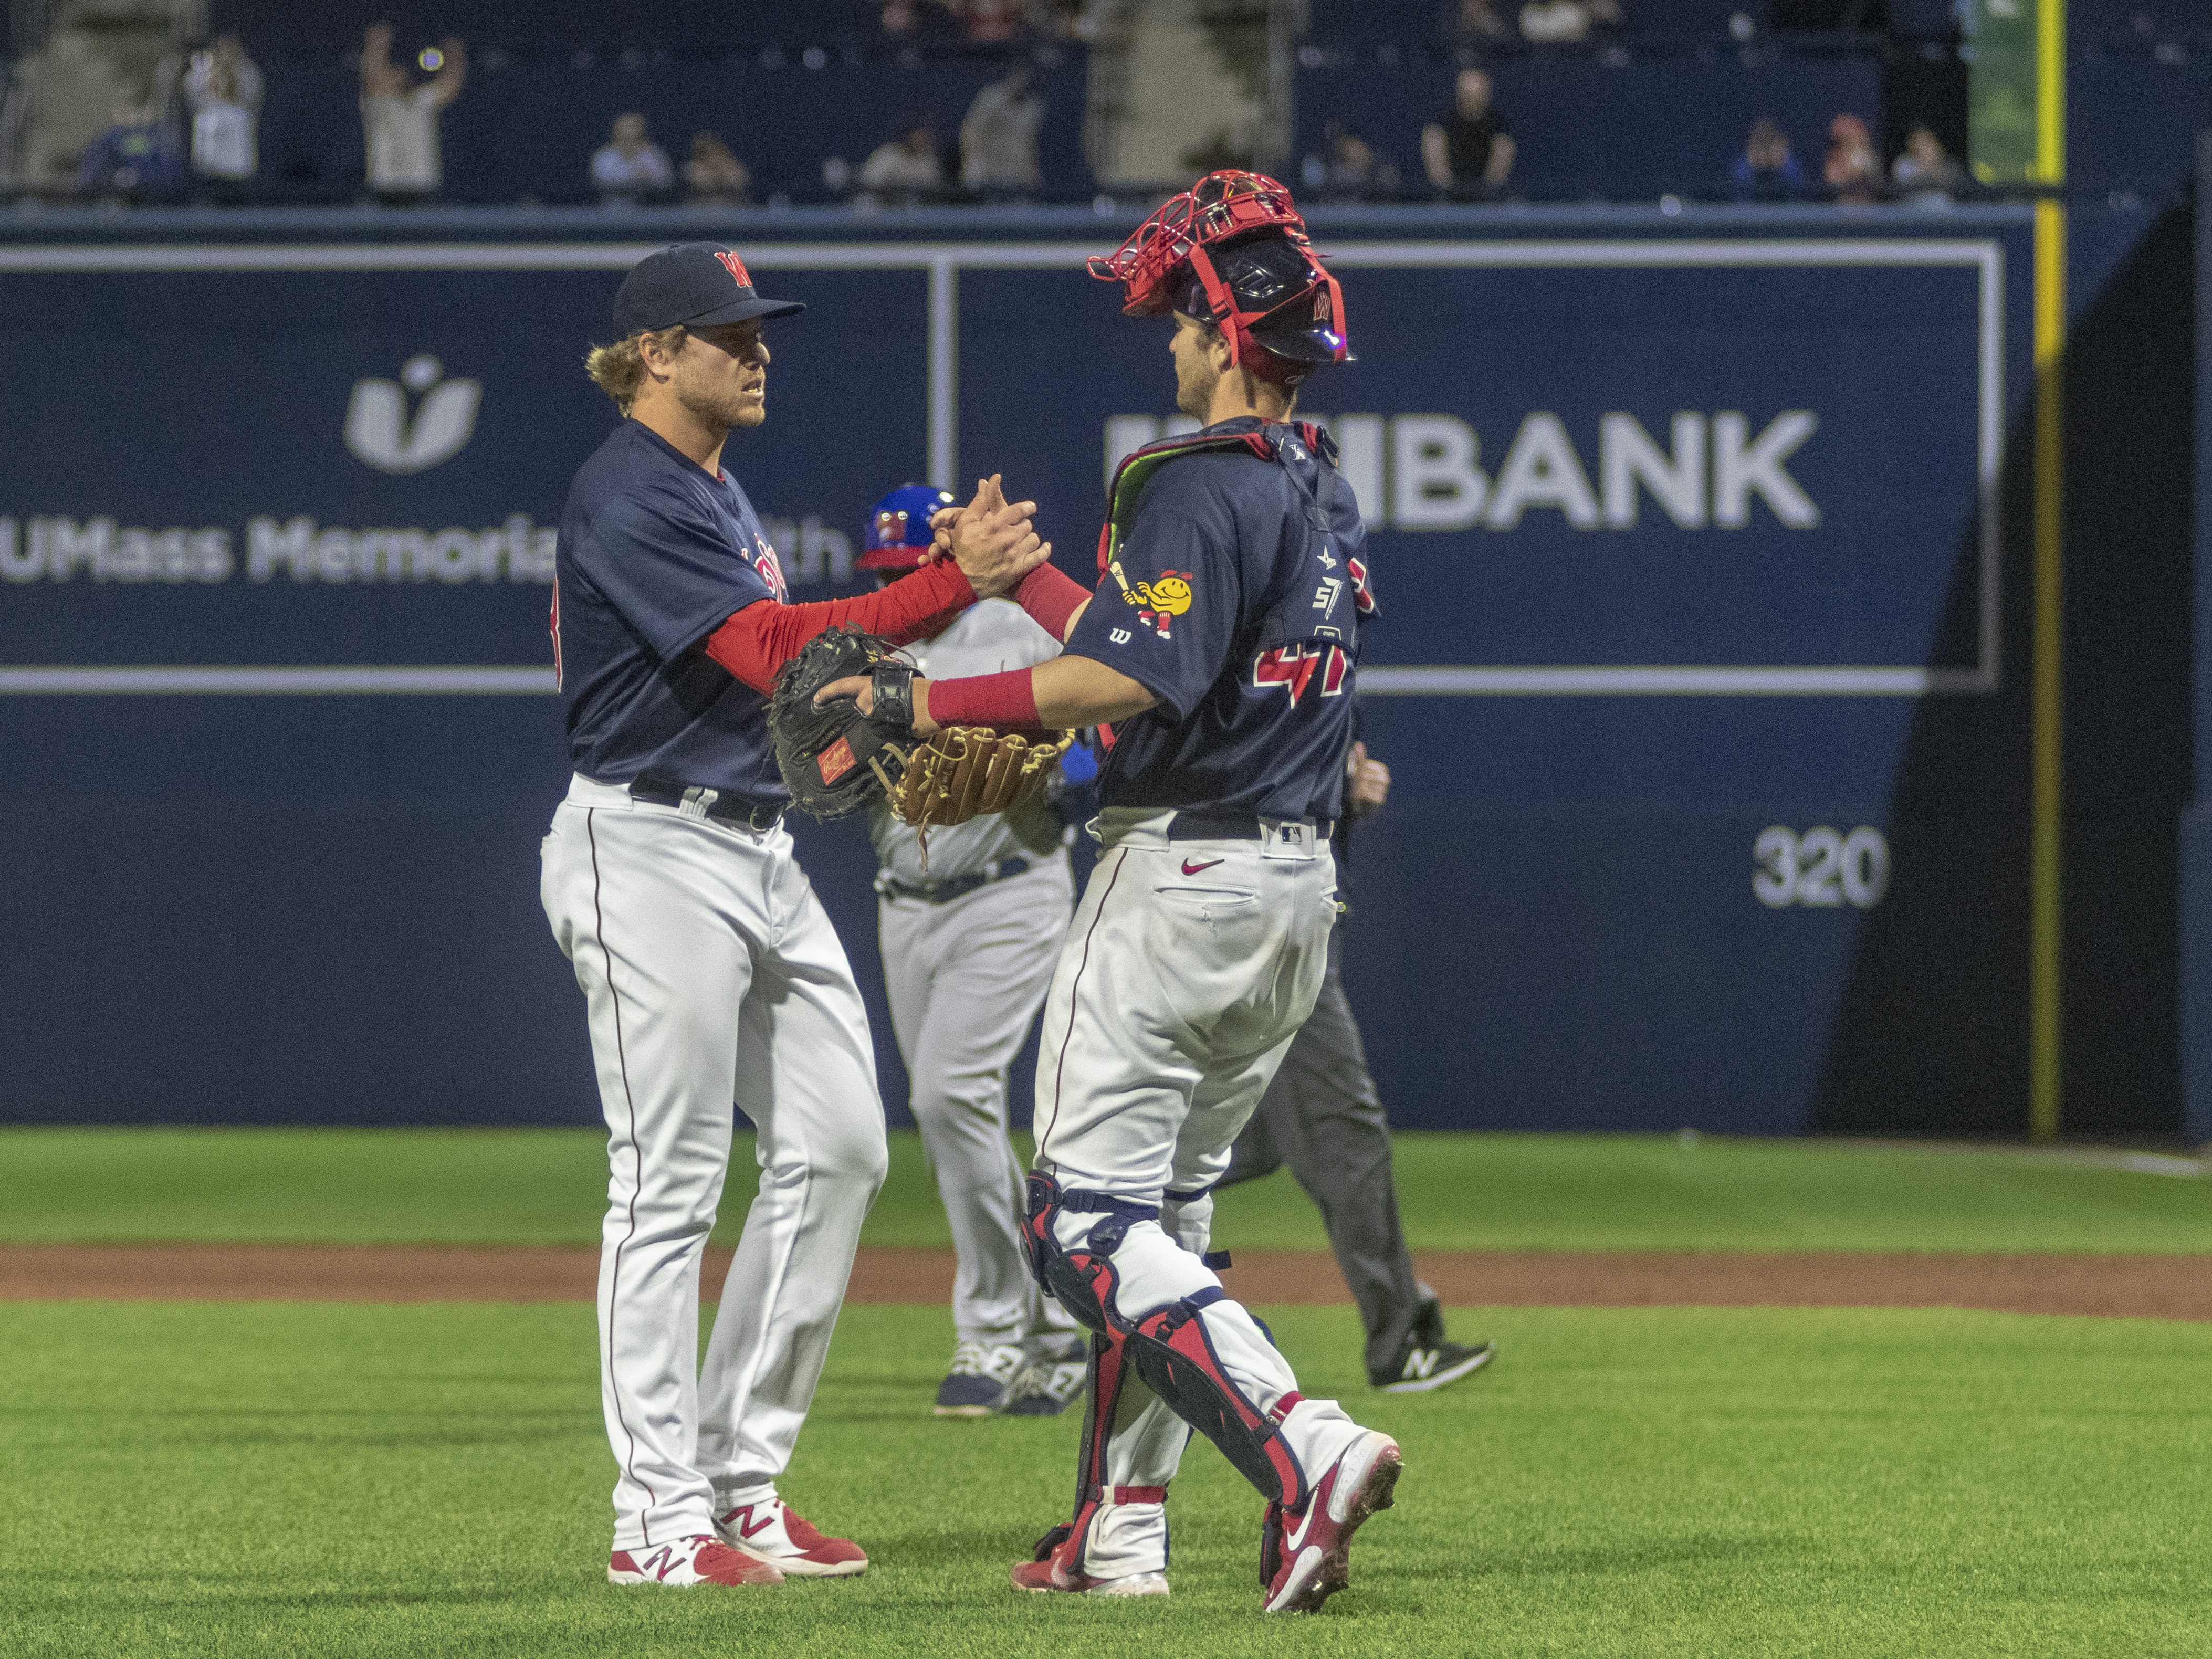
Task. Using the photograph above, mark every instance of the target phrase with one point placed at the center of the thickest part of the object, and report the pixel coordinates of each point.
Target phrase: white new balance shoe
(771, 1529)
(981, 1378)
(698, 1559)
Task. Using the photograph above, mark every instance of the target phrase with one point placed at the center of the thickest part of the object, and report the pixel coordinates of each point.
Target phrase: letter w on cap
(735, 266)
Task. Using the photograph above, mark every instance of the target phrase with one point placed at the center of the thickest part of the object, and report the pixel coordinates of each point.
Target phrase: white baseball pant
(713, 977)
(1189, 968)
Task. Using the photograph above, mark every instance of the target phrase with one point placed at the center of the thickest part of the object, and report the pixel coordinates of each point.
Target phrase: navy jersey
(1233, 596)
(654, 555)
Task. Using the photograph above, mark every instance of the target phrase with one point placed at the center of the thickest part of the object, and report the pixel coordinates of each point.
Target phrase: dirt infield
(2127, 1286)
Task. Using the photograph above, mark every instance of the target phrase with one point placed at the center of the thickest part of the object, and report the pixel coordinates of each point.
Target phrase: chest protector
(1316, 601)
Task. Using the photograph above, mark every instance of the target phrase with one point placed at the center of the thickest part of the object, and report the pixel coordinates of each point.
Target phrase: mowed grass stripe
(1457, 1192)
(280, 1480)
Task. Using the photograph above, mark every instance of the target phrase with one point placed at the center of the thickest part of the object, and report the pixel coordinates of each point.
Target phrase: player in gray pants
(1322, 1116)
(971, 935)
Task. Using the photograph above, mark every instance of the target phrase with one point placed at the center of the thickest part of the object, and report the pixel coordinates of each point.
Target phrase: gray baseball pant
(1322, 1116)
(965, 979)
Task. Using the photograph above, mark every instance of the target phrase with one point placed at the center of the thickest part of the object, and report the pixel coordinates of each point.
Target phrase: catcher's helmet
(898, 527)
(1232, 251)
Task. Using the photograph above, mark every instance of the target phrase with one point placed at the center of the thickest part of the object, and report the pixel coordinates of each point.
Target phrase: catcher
(1200, 943)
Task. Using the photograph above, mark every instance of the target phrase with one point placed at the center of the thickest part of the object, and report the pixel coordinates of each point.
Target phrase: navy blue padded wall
(1647, 127)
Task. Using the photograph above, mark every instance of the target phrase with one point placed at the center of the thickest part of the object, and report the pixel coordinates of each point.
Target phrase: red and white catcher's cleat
(698, 1559)
(773, 1530)
(1057, 1572)
(1305, 1554)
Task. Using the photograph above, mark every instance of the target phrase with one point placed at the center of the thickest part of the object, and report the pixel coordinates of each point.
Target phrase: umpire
(1322, 1116)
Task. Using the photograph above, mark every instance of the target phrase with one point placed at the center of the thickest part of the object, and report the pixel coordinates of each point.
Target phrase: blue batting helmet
(898, 526)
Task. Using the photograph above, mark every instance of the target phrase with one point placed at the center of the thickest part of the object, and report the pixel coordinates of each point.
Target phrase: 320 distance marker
(1821, 868)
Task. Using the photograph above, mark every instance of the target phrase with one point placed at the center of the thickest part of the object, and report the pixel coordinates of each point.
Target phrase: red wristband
(1050, 597)
(1001, 700)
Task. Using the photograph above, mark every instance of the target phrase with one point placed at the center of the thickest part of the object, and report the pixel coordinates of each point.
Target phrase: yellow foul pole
(2046, 914)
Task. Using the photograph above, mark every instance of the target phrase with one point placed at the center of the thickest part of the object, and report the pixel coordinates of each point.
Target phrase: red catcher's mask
(1173, 245)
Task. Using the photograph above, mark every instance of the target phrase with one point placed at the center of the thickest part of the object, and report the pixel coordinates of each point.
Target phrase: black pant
(1322, 1116)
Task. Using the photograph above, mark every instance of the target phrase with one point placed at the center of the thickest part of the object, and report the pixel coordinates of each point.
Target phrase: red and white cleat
(1305, 1554)
(1055, 1573)
(772, 1529)
(698, 1559)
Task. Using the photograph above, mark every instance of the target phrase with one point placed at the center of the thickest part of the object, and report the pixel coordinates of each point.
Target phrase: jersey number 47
(1291, 667)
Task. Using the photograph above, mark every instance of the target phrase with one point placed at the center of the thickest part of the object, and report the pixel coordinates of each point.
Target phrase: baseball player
(1222, 642)
(1320, 1116)
(712, 975)
(970, 928)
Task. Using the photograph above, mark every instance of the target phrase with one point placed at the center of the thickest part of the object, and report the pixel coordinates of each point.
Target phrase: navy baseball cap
(696, 283)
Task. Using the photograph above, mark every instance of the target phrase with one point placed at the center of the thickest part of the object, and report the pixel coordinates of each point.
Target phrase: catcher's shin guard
(1082, 1280)
(1168, 1349)
(1171, 1351)
(1093, 1483)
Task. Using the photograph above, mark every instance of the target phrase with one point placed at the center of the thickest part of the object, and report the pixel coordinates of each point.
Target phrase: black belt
(720, 804)
(1232, 826)
(942, 892)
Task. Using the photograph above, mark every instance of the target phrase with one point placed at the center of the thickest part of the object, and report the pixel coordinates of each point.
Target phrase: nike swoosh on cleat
(1191, 867)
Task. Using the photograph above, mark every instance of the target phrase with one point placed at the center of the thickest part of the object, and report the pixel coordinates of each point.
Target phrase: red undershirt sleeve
(761, 638)
(1007, 701)
(1050, 599)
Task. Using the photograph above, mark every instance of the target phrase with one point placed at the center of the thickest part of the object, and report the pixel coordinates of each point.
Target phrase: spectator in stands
(989, 23)
(905, 170)
(1349, 168)
(399, 118)
(629, 167)
(1926, 173)
(134, 161)
(222, 90)
(1766, 171)
(1550, 22)
(1468, 151)
(714, 176)
(917, 23)
(999, 137)
(1852, 172)
(1476, 23)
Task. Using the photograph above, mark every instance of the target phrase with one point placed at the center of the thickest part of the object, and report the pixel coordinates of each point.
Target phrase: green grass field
(280, 1479)
(277, 1479)
(1458, 1192)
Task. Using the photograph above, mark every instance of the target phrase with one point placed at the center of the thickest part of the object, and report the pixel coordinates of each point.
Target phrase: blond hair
(618, 369)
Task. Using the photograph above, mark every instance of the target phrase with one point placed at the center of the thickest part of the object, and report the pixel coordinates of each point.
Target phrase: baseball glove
(834, 758)
(965, 771)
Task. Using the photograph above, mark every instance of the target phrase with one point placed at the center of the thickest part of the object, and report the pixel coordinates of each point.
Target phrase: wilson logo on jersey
(1291, 667)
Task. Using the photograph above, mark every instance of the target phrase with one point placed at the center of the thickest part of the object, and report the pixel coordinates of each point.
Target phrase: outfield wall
(1700, 667)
